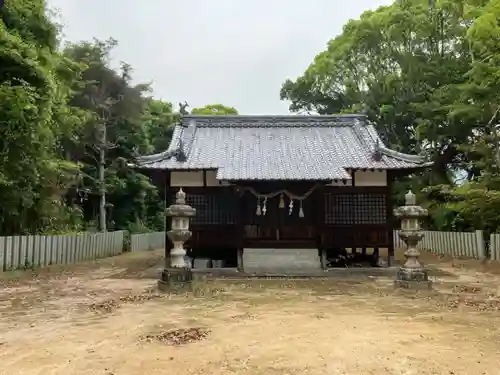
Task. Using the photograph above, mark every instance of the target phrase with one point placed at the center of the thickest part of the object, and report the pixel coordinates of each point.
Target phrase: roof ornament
(365, 109)
(182, 108)
(179, 154)
(423, 155)
(377, 153)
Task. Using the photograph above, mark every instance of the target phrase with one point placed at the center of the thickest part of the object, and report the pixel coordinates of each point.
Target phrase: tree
(96, 97)
(427, 74)
(475, 204)
(35, 82)
(400, 65)
(114, 134)
(214, 109)
(159, 121)
(69, 124)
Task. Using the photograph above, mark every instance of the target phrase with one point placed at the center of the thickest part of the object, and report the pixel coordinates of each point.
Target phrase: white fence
(455, 244)
(147, 241)
(38, 251)
(495, 247)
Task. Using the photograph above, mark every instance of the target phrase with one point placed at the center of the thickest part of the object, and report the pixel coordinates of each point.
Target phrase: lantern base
(413, 278)
(176, 280)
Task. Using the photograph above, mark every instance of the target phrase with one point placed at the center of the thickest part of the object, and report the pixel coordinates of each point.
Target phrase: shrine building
(282, 182)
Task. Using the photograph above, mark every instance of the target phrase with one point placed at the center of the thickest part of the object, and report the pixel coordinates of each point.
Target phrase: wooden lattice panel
(212, 208)
(354, 209)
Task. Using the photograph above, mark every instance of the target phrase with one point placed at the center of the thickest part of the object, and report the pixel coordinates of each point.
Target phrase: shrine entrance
(279, 219)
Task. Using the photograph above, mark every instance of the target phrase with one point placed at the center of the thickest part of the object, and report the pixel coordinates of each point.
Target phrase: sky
(231, 52)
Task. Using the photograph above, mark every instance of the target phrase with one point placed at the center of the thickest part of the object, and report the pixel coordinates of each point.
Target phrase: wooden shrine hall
(282, 182)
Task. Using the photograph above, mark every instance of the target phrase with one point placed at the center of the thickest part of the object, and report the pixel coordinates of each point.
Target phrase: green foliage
(129, 118)
(399, 65)
(428, 76)
(159, 121)
(426, 73)
(34, 178)
(52, 106)
(215, 109)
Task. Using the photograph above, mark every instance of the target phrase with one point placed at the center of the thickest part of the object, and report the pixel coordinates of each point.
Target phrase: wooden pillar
(239, 253)
(323, 259)
(353, 240)
(240, 230)
(376, 256)
(319, 203)
(320, 225)
(167, 198)
(390, 220)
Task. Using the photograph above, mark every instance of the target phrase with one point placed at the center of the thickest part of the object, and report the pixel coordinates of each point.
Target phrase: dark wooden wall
(356, 217)
(217, 214)
(333, 217)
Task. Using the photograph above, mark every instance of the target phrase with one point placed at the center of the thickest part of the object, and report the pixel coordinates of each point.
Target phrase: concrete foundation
(281, 261)
(176, 280)
(413, 278)
(415, 285)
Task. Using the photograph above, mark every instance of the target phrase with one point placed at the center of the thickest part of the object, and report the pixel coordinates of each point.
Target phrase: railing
(39, 251)
(147, 241)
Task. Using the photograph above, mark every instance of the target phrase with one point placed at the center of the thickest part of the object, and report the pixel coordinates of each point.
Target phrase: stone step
(281, 259)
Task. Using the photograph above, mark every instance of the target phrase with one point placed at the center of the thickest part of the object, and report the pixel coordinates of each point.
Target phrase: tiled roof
(278, 147)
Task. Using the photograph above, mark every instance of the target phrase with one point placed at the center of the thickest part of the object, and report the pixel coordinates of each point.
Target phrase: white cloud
(233, 52)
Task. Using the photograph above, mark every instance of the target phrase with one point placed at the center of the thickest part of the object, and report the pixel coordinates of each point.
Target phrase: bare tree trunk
(102, 180)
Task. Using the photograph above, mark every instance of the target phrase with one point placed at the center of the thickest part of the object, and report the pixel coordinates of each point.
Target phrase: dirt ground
(107, 318)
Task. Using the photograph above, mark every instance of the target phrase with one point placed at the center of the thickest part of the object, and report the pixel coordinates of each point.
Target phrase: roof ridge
(358, 128)
(402, 156)
(273, 121)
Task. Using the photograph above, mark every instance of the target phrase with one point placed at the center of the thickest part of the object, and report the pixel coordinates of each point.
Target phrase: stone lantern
(177, 271)
(412, 274)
